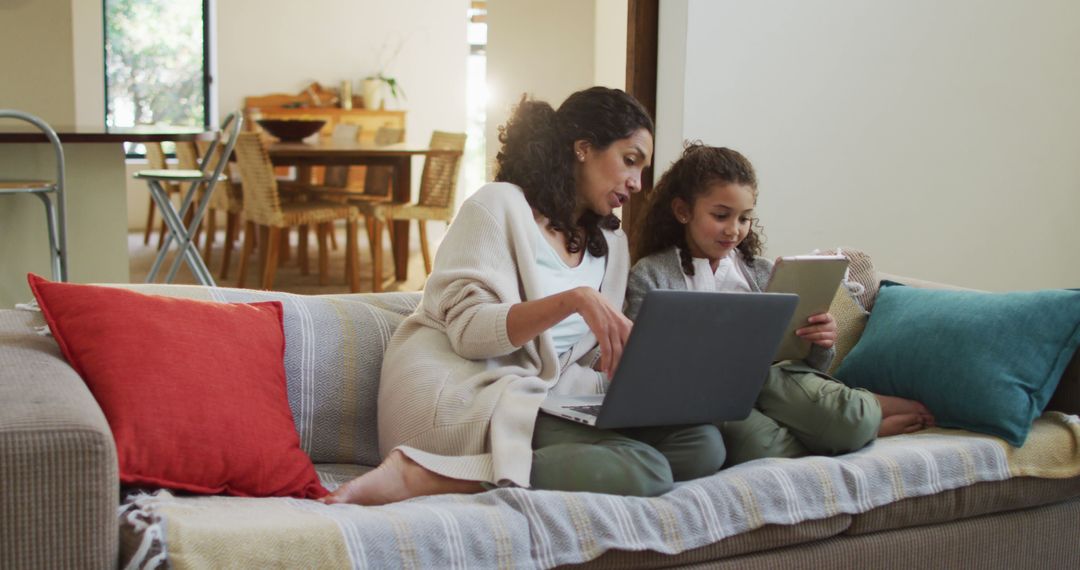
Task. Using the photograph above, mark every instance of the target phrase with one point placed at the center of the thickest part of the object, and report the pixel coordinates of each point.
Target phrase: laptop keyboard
(589, 410)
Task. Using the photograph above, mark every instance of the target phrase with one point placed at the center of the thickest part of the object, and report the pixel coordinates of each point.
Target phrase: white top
(555, 276)
(731, 274)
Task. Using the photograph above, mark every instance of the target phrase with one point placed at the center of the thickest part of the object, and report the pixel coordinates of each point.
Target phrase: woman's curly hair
(689, 177)
(537, 155)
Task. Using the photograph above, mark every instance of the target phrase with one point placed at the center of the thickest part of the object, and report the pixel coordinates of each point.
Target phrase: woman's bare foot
(397, 478)
(900, 423)
(900, 415)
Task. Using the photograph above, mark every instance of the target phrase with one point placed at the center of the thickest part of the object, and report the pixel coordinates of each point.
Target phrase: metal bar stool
(47, 191)
(210, 172)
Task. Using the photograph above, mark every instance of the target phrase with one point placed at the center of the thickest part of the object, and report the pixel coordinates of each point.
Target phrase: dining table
(364, 153)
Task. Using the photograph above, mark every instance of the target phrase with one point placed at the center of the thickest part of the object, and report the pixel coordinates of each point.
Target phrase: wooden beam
(642, 25)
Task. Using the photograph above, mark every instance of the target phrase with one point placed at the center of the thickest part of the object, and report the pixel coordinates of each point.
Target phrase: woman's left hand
(822, 330)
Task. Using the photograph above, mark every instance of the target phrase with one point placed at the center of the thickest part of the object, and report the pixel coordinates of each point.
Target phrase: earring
(581, 157)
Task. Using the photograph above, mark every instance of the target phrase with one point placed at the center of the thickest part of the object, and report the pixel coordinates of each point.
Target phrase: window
(156, 63)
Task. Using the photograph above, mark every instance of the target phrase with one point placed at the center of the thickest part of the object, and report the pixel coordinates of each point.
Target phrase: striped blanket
(512, 527)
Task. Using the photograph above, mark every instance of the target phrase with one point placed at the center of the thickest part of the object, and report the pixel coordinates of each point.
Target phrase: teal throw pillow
(984, 362)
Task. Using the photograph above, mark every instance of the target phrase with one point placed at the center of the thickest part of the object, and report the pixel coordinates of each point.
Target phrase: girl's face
(718, 221)
(606, 178)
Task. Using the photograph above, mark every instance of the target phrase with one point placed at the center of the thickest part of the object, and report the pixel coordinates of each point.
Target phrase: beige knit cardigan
(455, 395)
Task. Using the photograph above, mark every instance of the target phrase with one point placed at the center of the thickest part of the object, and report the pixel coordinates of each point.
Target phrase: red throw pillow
(194, 391)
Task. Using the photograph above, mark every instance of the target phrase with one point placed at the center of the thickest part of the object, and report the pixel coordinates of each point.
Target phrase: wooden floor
(288, 276)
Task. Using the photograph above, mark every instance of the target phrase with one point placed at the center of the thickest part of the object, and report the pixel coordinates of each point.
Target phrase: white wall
(609, 59)
(670, 84)
(280, 46)
(88, 40)
(939, 137)
(549, 50)
(53, 60)
(268, 46)
(544, 49)
(37, 65)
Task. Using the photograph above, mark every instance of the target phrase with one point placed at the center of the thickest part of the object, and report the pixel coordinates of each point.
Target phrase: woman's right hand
(610, 327)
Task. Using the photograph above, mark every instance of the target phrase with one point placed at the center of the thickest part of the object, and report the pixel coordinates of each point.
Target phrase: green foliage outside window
(154, 62)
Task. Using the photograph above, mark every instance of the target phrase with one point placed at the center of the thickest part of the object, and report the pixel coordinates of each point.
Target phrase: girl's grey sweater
(663, 270)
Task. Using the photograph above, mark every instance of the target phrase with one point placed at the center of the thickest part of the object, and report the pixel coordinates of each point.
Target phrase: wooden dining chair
(227, 198)
(338, 176)
(155, 159)
(264, 208)
(377, 179)
(438, 186)
(187, 158)
(200, 181)
(389, 135)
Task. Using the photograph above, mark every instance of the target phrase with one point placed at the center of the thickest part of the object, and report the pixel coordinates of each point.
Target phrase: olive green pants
(643, 462)
(801, 411)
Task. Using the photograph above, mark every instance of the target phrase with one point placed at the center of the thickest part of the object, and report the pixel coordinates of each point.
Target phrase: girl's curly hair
(689, 177)
(537, 155)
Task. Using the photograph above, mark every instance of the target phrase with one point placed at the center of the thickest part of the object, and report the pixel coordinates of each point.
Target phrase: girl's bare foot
(901, 415)
(900, 423)
(892, 405)
(397, 478)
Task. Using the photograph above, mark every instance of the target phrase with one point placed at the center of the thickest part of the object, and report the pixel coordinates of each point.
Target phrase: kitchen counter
(96, 203)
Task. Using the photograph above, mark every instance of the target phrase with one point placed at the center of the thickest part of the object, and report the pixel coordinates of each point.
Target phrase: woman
(524, 300)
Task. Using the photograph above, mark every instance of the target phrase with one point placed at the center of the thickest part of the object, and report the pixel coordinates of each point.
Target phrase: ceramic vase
(373, 94)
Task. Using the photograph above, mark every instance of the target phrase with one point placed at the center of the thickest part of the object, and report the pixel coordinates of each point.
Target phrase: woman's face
(606, 178)
(718, 221)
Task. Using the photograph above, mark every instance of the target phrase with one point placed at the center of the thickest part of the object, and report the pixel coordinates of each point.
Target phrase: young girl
(701, 236)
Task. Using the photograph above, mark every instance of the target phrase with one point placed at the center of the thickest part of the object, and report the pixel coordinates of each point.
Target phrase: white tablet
(814, 278)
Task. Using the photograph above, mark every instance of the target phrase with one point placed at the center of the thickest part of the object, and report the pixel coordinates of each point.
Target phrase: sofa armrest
(59, 487)
(1067, 396)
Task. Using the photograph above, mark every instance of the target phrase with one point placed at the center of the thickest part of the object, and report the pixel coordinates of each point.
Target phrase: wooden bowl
(291, 130)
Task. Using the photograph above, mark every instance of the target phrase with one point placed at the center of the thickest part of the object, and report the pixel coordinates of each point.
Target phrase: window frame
(206, 75)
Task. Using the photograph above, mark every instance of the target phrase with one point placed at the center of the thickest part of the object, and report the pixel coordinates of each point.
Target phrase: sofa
(940, 497)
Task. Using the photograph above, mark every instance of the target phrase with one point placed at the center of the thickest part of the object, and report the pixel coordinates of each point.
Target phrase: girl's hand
(610, 327)
(822, 330)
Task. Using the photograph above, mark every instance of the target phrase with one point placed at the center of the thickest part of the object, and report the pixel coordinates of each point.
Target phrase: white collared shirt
(730, 275)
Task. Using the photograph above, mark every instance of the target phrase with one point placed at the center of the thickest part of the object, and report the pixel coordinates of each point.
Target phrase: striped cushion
(850, 323)
(848, 306)
(333, 357)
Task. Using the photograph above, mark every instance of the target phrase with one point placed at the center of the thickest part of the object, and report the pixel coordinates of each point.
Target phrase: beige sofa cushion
(965, 502)
(953, 505)
(1042, 537)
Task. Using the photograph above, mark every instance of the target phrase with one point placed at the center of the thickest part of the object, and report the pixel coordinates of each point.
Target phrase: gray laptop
(692, 358)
